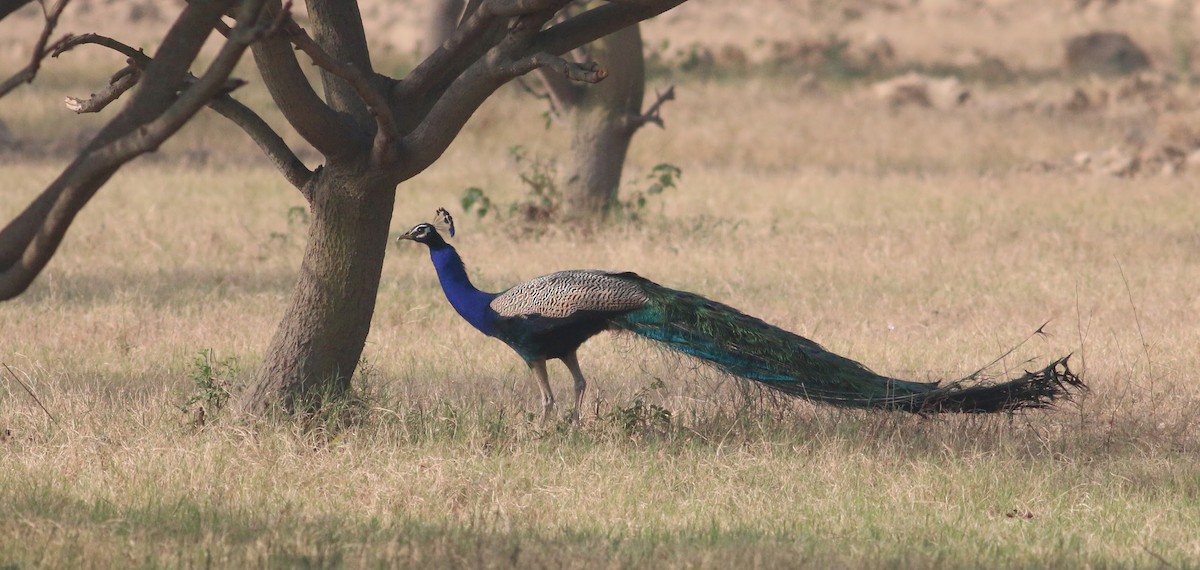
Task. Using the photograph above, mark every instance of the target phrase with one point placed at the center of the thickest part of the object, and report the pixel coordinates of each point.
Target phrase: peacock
(550, 316)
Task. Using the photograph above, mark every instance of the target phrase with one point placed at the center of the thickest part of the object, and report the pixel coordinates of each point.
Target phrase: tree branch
(123, 81)
(637, 3)
(273, 145)
(448, 59)
(9, 6)
(597, 23)
(293, 94)
(653, 113)
(448, 115)
(471, 7)
(525, 47)
(153, 114)
(338, 28)
(462, 47)
(560, 90)
(386, 132)
(276, 150)
(586, 72)
(136, 56)
(203, 90)
(40, 50)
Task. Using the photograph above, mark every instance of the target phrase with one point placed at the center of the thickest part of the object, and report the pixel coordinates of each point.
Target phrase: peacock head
(427, 233)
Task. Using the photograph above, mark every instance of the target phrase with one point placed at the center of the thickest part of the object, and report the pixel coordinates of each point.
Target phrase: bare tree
(603, 119)
(374, 132)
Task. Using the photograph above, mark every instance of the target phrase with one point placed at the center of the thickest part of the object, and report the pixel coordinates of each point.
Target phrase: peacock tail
(747, 347)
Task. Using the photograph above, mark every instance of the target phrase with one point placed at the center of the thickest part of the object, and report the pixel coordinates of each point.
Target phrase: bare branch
(209, 86)
(223, 29)
(463, 46)
(587, 72)
(29, 391)
(471, 8)
(136, 56)
(9, 6)
(40, 50)
(318, 124)
(153, 114)
(277, 151)
(386, 132)
(511, 8)
(441, 124)
(524, 47)
(597, 23)
(637, 3)
(120, 83)
(449, 58)
(653, 113)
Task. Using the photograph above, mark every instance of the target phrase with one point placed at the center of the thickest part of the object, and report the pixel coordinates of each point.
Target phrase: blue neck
(470, 302)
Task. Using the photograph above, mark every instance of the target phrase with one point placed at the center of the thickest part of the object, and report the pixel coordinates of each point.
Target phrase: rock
(1110, 53)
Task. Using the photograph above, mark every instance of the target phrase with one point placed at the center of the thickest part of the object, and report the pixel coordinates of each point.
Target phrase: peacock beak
(407, 235)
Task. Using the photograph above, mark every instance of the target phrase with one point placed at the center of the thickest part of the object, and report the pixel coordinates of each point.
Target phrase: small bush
(212, 381)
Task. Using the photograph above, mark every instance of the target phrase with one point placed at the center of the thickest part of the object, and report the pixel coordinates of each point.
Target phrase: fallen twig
(30, 391)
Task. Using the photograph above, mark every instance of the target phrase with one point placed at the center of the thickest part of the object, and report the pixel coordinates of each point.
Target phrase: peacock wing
(568, 293)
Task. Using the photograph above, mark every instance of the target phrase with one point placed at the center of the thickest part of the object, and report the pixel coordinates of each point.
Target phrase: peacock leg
(543, 379)
(572, 362)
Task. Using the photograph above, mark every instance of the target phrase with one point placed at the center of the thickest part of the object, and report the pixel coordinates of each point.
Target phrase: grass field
(921, 242)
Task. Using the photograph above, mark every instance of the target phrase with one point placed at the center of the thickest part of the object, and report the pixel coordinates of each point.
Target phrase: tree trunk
(320, 339)
(603, 119)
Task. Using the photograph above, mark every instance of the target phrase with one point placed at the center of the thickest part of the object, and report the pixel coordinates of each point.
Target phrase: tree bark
(320, 338)
(603, 119)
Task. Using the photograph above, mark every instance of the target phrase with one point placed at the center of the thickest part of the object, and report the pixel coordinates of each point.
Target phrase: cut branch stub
(122, 82)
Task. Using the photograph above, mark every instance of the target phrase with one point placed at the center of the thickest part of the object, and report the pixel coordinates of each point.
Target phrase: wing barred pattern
(560, 295)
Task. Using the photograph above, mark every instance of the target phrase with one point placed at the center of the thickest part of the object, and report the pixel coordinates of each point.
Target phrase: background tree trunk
(603, 119)
(441, 20)
(320, 338)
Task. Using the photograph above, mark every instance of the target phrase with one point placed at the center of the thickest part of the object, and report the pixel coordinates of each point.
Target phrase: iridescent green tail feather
(747, 347)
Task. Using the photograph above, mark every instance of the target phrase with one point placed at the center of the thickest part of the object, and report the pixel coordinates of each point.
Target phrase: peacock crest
(443, 222)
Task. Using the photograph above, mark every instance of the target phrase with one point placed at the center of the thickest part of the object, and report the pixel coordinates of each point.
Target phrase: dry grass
(914, 241)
